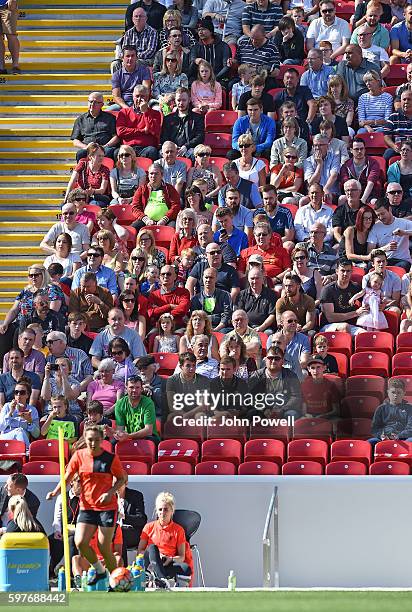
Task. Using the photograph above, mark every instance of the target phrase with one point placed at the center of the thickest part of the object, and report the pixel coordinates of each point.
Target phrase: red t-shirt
(319, 397)
(96, 477)
(275, 260)
(87, 178)
(167, 539)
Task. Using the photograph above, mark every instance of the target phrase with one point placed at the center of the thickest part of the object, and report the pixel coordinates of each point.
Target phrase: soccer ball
(121, 579)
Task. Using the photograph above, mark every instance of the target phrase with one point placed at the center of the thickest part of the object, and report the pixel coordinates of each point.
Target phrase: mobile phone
(54, 367)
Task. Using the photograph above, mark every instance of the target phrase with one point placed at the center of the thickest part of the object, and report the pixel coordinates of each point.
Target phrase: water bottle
(61, 581)
(231, 581)
(103, 583)
(91, 575)
(137, 578)
(140, 564)
(84, 581)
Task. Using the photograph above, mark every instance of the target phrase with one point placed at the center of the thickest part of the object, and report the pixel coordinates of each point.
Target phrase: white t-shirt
(79, 234)
(334, 33)
(253, 173)
(66, 262)
(381, 234)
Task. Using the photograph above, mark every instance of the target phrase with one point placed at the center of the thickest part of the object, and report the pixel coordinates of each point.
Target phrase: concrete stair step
(38, 143)
(30, 225)
(46, 132)
(27, 237)
(38, 155)
(35, 168)
(39, 121)
(12, 284)
(32, 191)
(34, 205)
(53, 24)
(59, 35)
(29, 4)
(32, 216)
(83, 45)
(33, 178)
(18, 264)
(88, 13)
(64, 112)
(52, 78)
(6, 249)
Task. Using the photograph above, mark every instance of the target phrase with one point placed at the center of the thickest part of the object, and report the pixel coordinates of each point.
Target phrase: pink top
(85, 216)
(107, 395)
(203, 94)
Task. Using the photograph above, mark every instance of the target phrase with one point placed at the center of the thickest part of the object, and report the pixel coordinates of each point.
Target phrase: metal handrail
(271, 544)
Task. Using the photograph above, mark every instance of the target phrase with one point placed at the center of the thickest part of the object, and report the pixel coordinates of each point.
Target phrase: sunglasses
(35, 275)
(273, 358)
(79, 199)
(165, 274)
(299, 257)
(214, 253)
(395, 192)
(291, 157)
(125, 155)
(134, 258)
(115, 353)
(128, 300)
(51, 341)
(171, 59)
(291, 321)
(68, 213)
(326, 11)
(20, 392)
(93, 255)
(261, 235)
(203, 154)
(244, 146)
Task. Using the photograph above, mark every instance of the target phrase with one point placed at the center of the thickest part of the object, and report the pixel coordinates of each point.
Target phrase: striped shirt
(267, 56)
(375, 107)
(398, 126)
(144, 41)
(269, 18)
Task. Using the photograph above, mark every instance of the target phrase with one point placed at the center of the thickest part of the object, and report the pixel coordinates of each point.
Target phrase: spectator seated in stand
(393, 419)
(18, 418)
(135, 414)
(58, 380)
(320, 396)
(59, 418)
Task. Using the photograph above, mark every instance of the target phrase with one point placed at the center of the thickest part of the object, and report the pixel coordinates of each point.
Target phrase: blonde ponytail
(22, 515)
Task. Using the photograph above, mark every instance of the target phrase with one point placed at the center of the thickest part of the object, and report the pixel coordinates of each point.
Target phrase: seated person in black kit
(133, 517)
(183, 127)
(43, 314)
(320, 349)
(16, 484)
(257, 92)
(393, 419)
(153, 384)
(182, 384)
(22, 520)
(400, 204)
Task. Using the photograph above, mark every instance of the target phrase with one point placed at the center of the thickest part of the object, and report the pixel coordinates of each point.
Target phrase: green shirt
(69, 429)
(135, 419)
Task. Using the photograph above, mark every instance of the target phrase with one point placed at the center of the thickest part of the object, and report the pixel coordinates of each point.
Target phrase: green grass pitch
(248, 601)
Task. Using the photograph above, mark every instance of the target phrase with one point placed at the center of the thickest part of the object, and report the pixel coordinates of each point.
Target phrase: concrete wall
(334, 531)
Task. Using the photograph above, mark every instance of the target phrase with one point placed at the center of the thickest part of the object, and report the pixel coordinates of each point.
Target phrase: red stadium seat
(135, 468)
(316, 429)
(391, 89)
(371, 386)
(339, 342)
(220, 121)
(222, 450)
(398, 270)
(258, 431)
(171, 468)
(167, 362)
(293, 209)
(345, 10)
(342, 363)
(178, 450)
(375, 144)
(337, 381)
(12, 450)
(123, 214)
(374, 341)
(231, 432)
(357, 275)
(355, 406)
(41, 468)
(302, 468)
(404, 343)
(353, 450)
(219, 143)
(219, 336)
(188, 432)
(163, 234)
(402, 364)
(393, 449)
(144, 163)
(92, 336)
(370, 362)
(186, 161)
(389, 468)
(219, 162)
(397, 74)
(284, 67)
(93, 208)
(392, 319)
(358, 429)
(215, 468)
(136, 450)
(308, 449)
(265, 450)
(258, 468)
(274, 92)
(382, 165)
(47, 450)
(346, 468)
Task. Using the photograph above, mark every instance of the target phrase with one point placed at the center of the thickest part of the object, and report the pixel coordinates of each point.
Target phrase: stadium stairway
(65, 54)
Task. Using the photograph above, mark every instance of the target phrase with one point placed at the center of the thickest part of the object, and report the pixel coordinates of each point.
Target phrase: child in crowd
(392, 419)
(40, 340)
(344, 106)
(57, 418)
(320, 346)
(320, 395)
(298, 16)
(187, 260)
(202, 185)
(245, 72)
(206, 92)
(372, 296)
(166, 340)
(152, 282)
(95, 416)
(326, 47)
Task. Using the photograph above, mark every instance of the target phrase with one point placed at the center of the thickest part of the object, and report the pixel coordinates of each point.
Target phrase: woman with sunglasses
(203, 169)
(354, 243)
(18, 419)
(401, 171)
(250, 168)
(172, 20)
(287, 177)
(168, 79)
(311, 279)
(79, 198)
(186, 237)
(194, 202)
(92, 176)
(126, 177)
(133, 306)
(39, 282)
(146, 242)
(137, 264)
(63, 255)
(290, 138)
(119, 351)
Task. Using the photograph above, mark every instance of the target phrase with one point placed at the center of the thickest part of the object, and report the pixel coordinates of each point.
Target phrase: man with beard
(280, 218)
(242, 217)
(183, 127)
(249, 192)
(211, 48)
(116, 328)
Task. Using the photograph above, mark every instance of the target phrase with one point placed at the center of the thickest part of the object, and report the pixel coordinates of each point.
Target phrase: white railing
(271, 544)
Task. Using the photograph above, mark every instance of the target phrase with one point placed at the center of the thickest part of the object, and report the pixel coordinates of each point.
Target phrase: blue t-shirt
(401, 33)
(282, 221)
(238, 240)
(7, 383)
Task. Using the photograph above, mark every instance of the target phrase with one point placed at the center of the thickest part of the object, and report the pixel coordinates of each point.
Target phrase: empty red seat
(234, 432)
(258, 468)
(354, 450)
(369, 362)
(359, 406)
(319, 429)
(393, 319)
(219, 143)
(404, 343)
(396, 449)
(136, 450)
(189, 432)
(302, 468)
(178, 450)
(167, 362)
(338, 382)
(402, 363)
(396, 75)
(374, 341)
(41, 468)
(366, 385)
(398, 270)
(389, 468)
(135, 468)
(375, 143)
(222, 449)
(284, 67)
(12, 450)
(123, 214)
(306, 448)
(357, 275)
(382, 166)
(282, 432)
(342, 361)
(219, 162)
(220, 121)
(346, 468)
(215, 468)
(163, 234)
(171, 468)
(264, 450)
(47, 450)
(360, 429)
(144, 163)
(339, 342)
(345, 10)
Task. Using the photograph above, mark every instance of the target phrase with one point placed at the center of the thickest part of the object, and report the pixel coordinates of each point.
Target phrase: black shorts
(101, 518)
